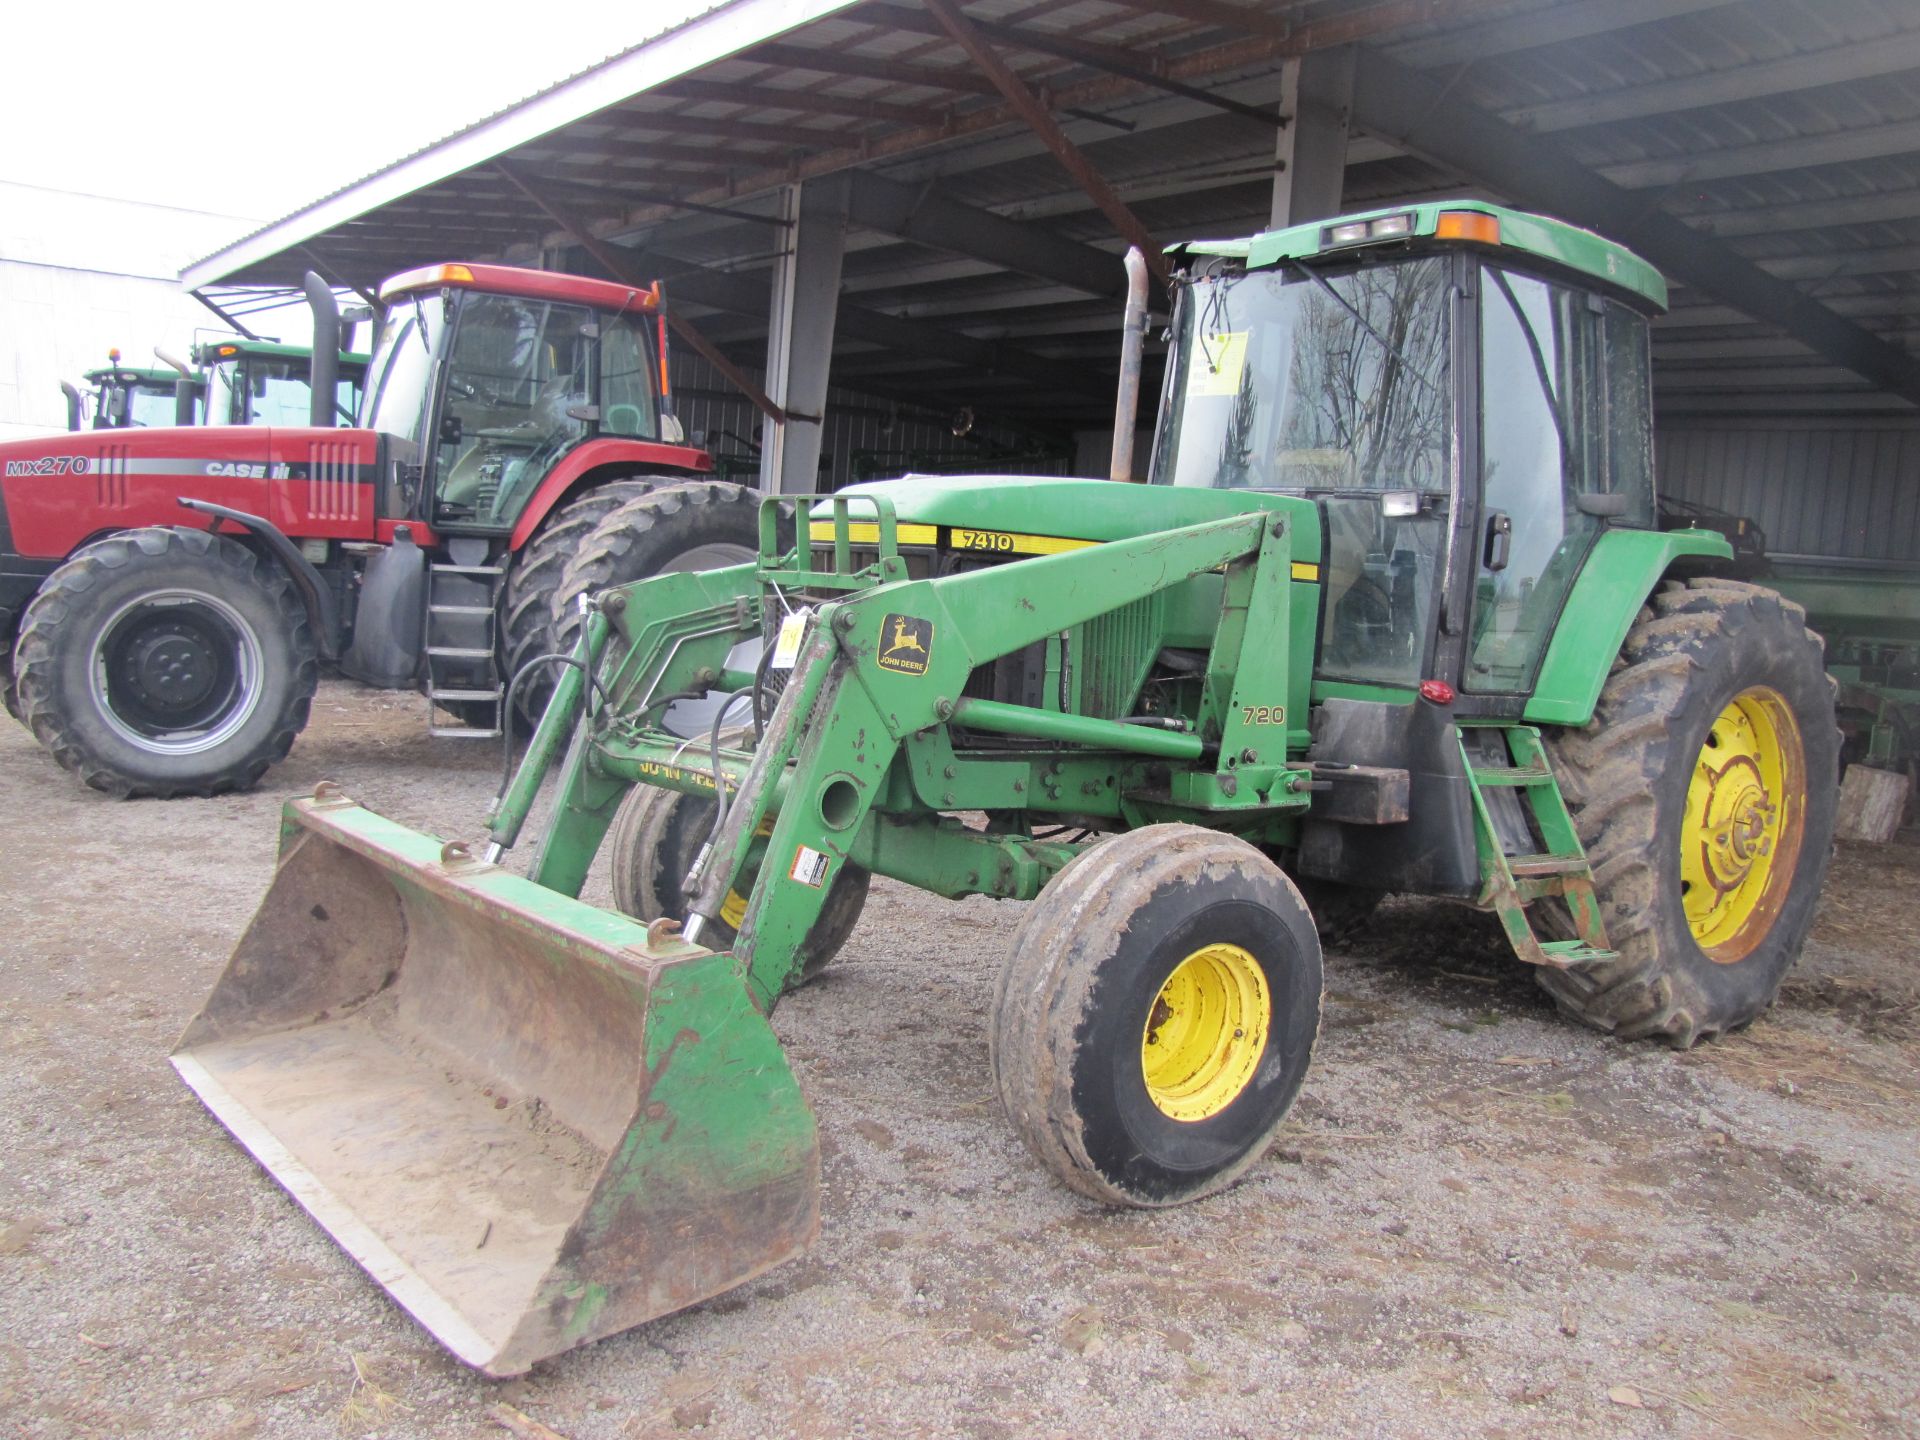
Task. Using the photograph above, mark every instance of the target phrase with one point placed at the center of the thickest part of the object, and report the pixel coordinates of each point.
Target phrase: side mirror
(1606, 507)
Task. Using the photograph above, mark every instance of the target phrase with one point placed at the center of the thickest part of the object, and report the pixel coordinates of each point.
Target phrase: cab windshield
(1290, 379)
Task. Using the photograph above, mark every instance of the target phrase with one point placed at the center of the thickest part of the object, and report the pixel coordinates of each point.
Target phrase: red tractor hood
(63, 490)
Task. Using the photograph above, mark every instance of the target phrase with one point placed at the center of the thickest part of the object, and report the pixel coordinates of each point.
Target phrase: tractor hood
(1091, 510)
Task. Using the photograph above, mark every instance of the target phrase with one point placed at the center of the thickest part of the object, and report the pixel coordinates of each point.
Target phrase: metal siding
(1847, 490)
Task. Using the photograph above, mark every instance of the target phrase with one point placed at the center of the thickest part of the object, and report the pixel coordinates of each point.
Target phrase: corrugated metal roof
(1790, 129)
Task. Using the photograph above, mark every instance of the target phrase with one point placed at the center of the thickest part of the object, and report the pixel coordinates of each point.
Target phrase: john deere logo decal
(906, 643)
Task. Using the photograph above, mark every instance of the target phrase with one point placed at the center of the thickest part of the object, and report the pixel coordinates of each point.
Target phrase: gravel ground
(1479, 1221)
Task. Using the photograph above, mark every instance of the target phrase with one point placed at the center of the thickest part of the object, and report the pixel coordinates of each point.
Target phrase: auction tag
(786, 648)
(809, 867)
(1217, 364)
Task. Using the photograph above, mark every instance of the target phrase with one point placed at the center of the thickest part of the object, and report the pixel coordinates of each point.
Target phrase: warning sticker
(906, 644)
(809, 867)
(1219, 361)
(786, 648)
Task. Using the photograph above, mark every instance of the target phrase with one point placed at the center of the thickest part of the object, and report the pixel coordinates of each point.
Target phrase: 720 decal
(51, 465)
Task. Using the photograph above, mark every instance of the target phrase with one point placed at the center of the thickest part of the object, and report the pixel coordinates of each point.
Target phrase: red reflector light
(1438, 691)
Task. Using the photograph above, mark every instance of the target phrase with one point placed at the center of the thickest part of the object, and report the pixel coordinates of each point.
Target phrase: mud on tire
(1156, 1015)
(1645, 781)
(164, 662)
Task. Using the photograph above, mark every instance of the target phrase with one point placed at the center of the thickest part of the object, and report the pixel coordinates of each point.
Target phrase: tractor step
(1512, 774)
(1573, 955)
(1557, 869)
(461, 649)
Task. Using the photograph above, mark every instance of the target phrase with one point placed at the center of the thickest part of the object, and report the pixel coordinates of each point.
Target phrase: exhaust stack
(1133, 334)
(323, 413)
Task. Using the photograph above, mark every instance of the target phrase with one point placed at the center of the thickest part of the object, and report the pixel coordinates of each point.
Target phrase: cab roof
(210, 352)
(528, 284)
(1489, 227)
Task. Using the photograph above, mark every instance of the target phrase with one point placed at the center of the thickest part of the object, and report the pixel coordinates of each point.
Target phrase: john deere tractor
(1392, 613)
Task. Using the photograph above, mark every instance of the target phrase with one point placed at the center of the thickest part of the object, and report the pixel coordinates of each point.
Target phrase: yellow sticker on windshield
(1218, 363)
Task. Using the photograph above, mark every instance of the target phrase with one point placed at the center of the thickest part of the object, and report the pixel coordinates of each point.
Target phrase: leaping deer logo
(904, 639)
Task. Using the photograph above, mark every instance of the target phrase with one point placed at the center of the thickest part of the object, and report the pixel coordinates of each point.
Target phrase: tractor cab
(487, 376)
(123, 397)
(1464, 390)
(260, 382)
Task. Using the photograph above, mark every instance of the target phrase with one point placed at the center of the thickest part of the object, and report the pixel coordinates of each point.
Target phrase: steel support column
(806, 298)
(1310, 156)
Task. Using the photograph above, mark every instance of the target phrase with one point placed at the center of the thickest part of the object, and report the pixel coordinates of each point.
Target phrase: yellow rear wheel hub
(1206, 1032)
(1741, 836)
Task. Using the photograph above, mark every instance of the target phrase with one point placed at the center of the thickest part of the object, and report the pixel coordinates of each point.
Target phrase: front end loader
(1392, 614)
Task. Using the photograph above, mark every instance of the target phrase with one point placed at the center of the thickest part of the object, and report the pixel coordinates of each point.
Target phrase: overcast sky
(211, 106)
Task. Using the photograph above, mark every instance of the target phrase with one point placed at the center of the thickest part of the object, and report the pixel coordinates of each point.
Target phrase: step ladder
(462, 665)
(1555, 863)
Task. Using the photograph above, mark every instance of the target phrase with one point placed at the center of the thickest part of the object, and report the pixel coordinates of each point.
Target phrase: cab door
(1557, 465)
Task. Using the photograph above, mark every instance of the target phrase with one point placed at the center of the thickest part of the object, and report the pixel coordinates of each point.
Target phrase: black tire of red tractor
(1626, 775)
(526, 609)
(656, 835)
(1083, 975)
(9, 687)
(88, 601)
(652, 535)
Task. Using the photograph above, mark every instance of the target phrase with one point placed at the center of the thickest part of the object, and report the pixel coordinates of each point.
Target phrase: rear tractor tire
(699, 525)
(166, 662)
(1156, 1015)
(656, 835)
(1704, 792)
(526, 609)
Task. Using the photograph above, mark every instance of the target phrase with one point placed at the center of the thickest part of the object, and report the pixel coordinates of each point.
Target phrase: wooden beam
(812, 102)
(1028, 106)
(866, 67)
(1251, 20)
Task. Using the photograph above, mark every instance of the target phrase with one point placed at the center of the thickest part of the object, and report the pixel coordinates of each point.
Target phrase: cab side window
(628, 396)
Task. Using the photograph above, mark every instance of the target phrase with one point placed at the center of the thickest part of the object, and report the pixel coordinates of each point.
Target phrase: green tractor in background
(1392, 613)
(232, 380)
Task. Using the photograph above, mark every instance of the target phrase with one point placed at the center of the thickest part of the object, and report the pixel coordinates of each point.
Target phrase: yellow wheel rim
(1206, 1032)
(1741, 837)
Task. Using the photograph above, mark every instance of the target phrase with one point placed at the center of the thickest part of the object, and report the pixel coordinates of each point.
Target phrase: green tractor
(1392, 613)
(123, 397)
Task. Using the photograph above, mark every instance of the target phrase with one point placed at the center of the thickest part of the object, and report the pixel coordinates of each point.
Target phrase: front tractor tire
(1704, 791)
(656, 836)
(166, 662)
(1156, 1015)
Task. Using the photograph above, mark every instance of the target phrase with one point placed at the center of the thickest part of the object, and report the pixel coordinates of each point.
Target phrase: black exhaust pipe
(324, 411)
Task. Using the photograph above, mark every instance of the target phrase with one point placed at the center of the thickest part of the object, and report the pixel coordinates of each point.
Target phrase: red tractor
(161, 650)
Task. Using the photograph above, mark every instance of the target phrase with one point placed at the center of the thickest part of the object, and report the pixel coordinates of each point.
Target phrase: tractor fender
(1620, 573)
(323, 614)
(597, 455)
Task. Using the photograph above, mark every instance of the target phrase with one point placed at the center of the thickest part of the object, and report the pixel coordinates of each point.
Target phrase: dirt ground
(1480, 1220)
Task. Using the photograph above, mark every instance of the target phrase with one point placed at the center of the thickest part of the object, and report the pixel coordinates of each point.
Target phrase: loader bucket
(528, 1123)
